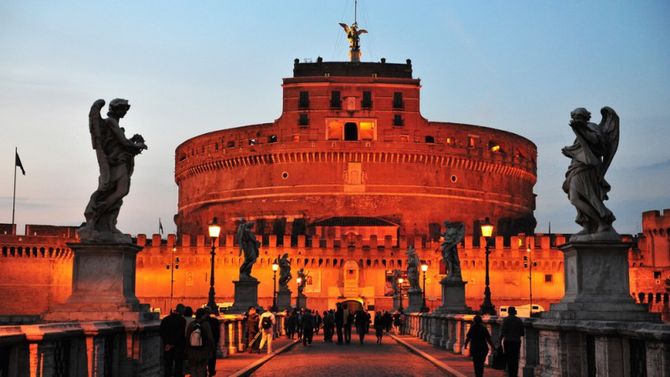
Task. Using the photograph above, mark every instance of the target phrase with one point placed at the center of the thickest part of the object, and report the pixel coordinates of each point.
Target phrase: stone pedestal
(283, 299)
(597, 285)
(415, 301)
(301, 301)
(103, 285)
(246, 295)
(453, 297)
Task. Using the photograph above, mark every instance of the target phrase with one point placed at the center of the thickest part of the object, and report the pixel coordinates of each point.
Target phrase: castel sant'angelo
(344, 181)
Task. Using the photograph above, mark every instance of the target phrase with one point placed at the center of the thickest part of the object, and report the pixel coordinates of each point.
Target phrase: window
(450, 141)
(366, 102)
(350, 131)
(335, 100)
(304, 100)
(397, 120)
(303, 120)
(253, 141)
(397, 100)
(366, 130)
(548, 278)
(231, 144)
(472, 141)
(494, 146)
(430, 139)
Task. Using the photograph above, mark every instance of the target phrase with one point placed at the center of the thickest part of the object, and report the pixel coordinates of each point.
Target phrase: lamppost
(528, 262)
(400, 281)
(424, 268)
(297, 299)
(487, 307)
(275, 267)
(214, 231)
(174, 265)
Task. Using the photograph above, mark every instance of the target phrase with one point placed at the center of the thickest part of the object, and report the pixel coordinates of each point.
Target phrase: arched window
(350, 131)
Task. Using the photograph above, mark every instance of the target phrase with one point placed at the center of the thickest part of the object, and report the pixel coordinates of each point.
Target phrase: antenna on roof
(353, 35)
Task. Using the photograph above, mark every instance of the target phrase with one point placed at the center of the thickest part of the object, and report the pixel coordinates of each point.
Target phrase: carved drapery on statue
(452, 236)
(249, 247)
(413, 269)
(591, 155)
(303, 280)
(395, 283)
(284, 272)
(116, 161)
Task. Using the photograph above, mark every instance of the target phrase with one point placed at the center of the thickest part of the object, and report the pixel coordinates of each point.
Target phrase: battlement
(655, 221)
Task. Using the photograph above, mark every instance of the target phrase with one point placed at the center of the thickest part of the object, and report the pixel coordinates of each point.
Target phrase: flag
(160, 226)
(18, 163)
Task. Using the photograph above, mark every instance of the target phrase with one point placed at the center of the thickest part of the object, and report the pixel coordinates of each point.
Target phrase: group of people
(191, 338)
(479, 339)
(260, 329)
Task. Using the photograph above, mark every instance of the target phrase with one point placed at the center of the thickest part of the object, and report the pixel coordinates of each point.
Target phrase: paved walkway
(398, 356)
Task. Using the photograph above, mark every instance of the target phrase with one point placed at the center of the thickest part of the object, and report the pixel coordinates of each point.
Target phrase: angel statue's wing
(345, 27)
(240, 235)
(95, 123)
(362, 31)
(609, 128)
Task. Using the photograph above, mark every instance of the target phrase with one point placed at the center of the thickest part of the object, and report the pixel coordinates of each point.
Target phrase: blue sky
(193, 67)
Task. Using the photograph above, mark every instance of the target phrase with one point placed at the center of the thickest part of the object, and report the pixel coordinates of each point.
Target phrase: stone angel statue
(116, 160)
(395, 284)
(303, 280)
(249, 246)
(413, 263)
(353, 35)
(284, 272)
(591, 156)
(452, 236)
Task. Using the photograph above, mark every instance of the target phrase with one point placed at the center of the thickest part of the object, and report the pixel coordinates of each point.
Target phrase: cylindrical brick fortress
(351, 143)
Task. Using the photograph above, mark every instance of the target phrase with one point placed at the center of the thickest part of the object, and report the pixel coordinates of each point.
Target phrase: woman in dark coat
(479, 339)
(362, 320)
(380, 325)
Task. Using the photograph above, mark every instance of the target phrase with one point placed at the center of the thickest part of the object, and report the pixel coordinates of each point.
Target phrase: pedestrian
(348, 318)
(252, 320)
(298, 321)
(308, 323)
(479, 339)
(362, 321)
(199, 344)
(216, 333)
(510, 337)
(380, 326)
(397, 322)
(173, 335)
(317, 320)
(328, 323)
(266, 327)
(388, 321)
(339, 321)
(188, 316)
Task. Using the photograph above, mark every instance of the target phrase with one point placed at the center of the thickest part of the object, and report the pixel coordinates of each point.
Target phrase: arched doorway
(352, 305)
(350, 131)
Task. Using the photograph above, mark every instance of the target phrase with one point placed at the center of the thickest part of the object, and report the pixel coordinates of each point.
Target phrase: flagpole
(16, 151)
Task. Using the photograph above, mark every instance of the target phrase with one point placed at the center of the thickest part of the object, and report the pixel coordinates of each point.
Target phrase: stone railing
(81, 349)
(562, 348)
(234, 334)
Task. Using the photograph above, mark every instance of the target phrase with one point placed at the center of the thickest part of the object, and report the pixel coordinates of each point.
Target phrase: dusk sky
(193, 67)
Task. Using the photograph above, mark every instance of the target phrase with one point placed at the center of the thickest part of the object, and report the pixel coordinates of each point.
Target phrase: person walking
(199, 344)
(266, 326)
(216, 333)
(479, 339)
(328, 324)
(397, 322)
(317, 321)
(308, 323)
(339, 322)
(388, 321)
(362, 321)
(289, 324)
(252, 320)
(348, 318)
(510, 337)
(173, 335)
(380, 326)
(298, 321)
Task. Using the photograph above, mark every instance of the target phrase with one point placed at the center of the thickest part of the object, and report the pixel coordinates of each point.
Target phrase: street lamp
(528, 262)
(214, 231)
(424, 268)
(400, 281)
(487, 307)
(275, 267)
(174, 265)
(297, 299)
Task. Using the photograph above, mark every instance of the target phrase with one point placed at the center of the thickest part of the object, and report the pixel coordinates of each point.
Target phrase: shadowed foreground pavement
(329, 359)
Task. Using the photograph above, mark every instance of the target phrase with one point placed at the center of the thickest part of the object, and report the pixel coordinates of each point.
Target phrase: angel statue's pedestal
(246, 295)
(453, 297)
(415, 301)
(597, 285)
(283, 299)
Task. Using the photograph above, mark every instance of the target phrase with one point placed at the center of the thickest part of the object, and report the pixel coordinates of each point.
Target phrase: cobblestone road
(329, 359)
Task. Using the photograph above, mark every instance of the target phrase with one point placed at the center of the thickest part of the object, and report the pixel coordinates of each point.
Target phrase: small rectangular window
(272, 139)
(335, 100)
(397, 100)
(472, 142)
(303, 120)
(231, 144)
(430, 139)
(397, 120)
(366, 102)
(450, 141)
(548, 278)
(304, 100)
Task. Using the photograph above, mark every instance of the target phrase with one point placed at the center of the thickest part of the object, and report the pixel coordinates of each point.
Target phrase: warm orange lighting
(298, 280)
(424, 267)
(401, 280)
(214, 229)
(495, 148)
(275, 266)
(487, 228)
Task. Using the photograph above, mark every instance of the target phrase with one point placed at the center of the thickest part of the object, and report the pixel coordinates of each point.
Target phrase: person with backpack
(199, 343)
(266, 326)
(216, 332)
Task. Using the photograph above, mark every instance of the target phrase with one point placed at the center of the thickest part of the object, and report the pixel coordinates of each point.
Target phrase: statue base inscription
(415, 301)
(453, 297)
(246, 295)
(284, 299)
(103, 285)
(597, 285)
